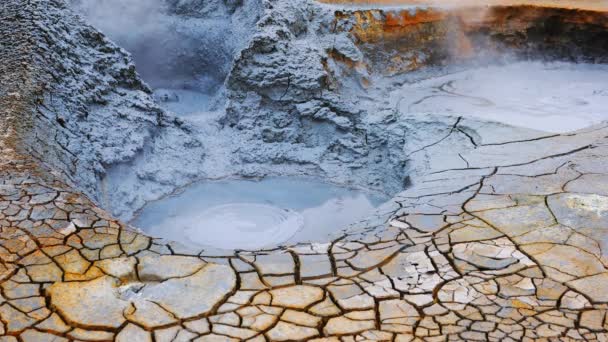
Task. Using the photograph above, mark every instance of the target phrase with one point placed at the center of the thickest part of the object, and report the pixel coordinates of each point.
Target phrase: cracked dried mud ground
(512, 246)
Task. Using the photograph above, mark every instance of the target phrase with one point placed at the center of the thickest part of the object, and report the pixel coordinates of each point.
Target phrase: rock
(287, 331)
(121, 268)
(98, 303)
(595, 287)
(343, 326)
(94, 303)
(397, 316)
(33, 335)
(300, 318)
(133, 333)
(593, 319)
(158, 268)
(484, 256)
(297, 297)
(207, 287)
(149, 315)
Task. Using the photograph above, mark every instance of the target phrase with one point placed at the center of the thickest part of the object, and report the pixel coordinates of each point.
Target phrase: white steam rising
(176, 44)
(126, 21)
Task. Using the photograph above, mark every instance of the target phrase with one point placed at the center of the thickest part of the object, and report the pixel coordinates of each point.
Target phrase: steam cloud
(174, 51)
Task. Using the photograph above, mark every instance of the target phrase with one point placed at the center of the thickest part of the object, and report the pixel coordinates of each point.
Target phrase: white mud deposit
(265, 88)
(551, 97)
(182, 102)
(243, 214)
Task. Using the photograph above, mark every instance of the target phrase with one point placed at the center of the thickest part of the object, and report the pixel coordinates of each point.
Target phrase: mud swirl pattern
(241, 225)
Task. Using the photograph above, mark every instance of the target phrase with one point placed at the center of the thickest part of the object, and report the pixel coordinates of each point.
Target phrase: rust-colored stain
(405, 17)
(375, 25)
(411, 38)
(520, 17)
(594, 5)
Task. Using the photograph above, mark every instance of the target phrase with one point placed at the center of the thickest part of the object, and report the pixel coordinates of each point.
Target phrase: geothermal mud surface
(550, 97)
(241, 214)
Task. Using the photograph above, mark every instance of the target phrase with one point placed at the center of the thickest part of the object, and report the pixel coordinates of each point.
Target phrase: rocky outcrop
(86, 106)
(306, 109)
(312, 76)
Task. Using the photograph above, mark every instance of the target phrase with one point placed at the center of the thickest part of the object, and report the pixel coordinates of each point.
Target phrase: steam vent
(303, 170)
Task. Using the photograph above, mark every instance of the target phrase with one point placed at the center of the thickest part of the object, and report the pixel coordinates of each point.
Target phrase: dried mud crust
(510, 246)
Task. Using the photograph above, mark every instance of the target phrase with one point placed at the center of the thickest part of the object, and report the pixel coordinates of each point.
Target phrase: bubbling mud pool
(246, 214)
(554, 97)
